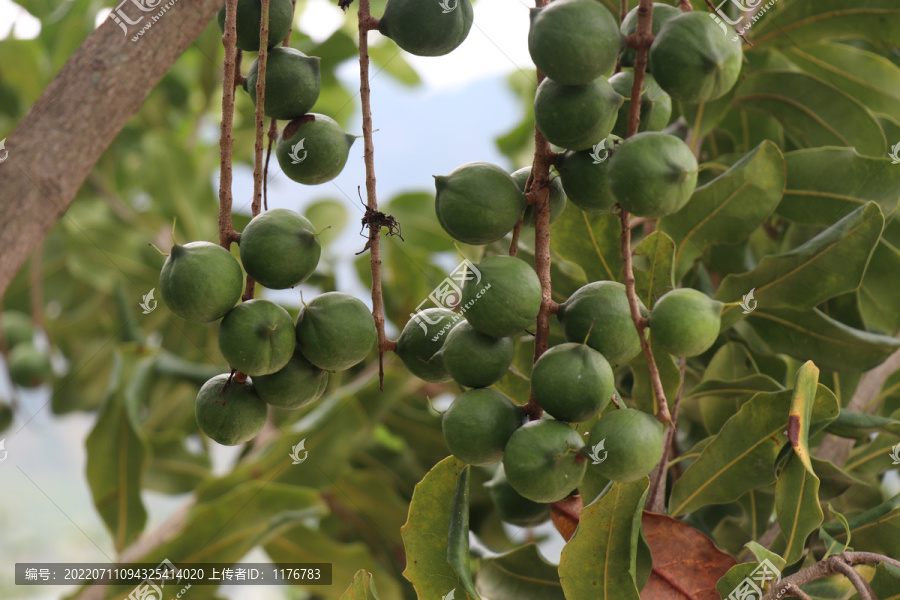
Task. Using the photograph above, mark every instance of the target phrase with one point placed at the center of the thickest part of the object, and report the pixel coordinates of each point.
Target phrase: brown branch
(514, 244)
(366, 24)
(838, 563)
(99, 89)
(685, 6)
(539, 195)
(227, 234)
(262, 59)
(657, 495)
(640, 40)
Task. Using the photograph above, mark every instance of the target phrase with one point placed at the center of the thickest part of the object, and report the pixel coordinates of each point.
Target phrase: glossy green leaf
(117, 452)
(362, 587)
(425, 533)
(599, 561)
(761, 553)
(824, 184)
(521, 574)
(833, 480)
(812, 112)
(857, 425)
(804, 22)
(876, 530)
(832, 546)
(879, 294)
(797, 507)
(653, 261)
(885, 582)
(590, 241)
(720, 400)
(829, 264)
(742, 455)
(872, 79)
(799, 419)
(727, 209)
(458, 535)
(811, 335)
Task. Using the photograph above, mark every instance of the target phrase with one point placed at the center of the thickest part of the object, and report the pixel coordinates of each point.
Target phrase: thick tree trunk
(99, 89)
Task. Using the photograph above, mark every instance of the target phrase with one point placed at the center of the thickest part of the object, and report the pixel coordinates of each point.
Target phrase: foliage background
(368, 449)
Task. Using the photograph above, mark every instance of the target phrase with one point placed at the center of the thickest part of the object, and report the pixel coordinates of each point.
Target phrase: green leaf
(799, 419)
(599, 562)
(656, 251)
(876, 530)
(812, 335)
(519, 575)
(742, 455)
(117, 452)
(720, 400)
(833, 480)
(762, 553)
(804, 22)
(832, 546)
(591, 241)
(872, 79)
(729, 208)
(174, 469)
(362, 587)
(857, 425)
(329, 217)
(458, 535)
(824, 184)
(829, 264)
(879, 294)
(425, 533)
(813, 113)
(885, 583)
(391, 60)
(797, 507)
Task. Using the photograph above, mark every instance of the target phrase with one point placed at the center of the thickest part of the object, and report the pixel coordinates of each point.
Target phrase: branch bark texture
(97, 91)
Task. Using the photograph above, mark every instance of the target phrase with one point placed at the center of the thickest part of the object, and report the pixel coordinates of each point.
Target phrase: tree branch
(538, 194)
(366, 24)
(101, 86)
(227, 234)
(656, 497)
(838, 563)
(640, 40)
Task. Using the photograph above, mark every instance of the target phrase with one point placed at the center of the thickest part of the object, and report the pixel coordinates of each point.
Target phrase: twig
(865, 592)
(838, 563)
(366, 23)
(685, 6)
(656, 497)
(640, 40)
(273, 123)
(227, 234)
(514, 244)
(539, 196)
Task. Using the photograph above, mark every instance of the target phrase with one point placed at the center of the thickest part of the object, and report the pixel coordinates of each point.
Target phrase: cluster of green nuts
(312, 148)
(287, 362)
(651, 174)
